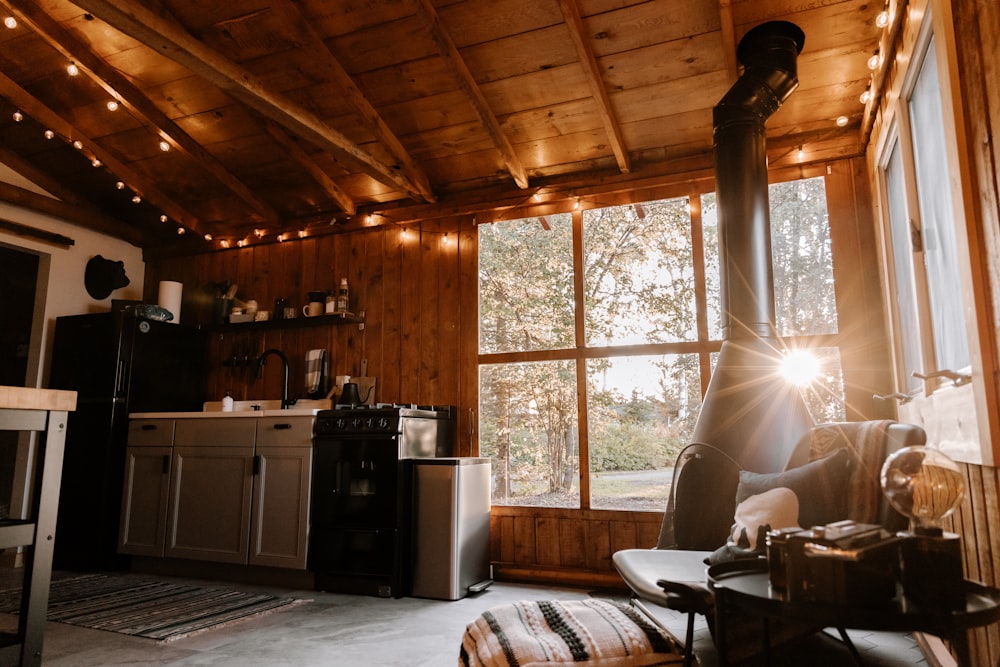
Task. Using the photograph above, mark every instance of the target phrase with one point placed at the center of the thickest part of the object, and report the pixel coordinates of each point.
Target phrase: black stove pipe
(749, 410)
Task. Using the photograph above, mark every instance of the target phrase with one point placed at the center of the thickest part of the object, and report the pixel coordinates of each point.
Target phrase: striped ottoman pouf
(577, 632)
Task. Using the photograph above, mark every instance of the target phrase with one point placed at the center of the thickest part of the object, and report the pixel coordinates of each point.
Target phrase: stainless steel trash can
(451, 526)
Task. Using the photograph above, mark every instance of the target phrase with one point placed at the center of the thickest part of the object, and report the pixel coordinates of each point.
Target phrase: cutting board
(366, 386)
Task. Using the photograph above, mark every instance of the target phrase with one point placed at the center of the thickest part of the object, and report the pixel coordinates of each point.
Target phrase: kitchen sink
(270, 408)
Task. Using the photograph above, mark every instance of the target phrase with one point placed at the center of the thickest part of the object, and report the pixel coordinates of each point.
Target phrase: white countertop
(267, 408)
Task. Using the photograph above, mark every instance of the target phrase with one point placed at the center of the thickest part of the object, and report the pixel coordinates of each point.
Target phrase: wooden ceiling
(284, 115)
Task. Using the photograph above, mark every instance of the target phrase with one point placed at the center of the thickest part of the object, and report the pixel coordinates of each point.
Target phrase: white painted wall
(61, 269)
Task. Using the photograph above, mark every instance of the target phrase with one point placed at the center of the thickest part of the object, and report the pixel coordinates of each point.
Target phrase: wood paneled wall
(414, 287)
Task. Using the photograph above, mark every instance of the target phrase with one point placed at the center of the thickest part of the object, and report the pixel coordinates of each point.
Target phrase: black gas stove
(361, 488)
(381, 418)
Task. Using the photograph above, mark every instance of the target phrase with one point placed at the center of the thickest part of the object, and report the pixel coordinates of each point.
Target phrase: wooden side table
(44, 411)
(749, 592)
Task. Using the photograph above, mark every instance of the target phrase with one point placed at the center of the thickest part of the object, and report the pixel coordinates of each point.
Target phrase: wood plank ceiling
(282, 115)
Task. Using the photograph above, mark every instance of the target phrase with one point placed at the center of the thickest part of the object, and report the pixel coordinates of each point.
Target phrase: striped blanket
(592, 632)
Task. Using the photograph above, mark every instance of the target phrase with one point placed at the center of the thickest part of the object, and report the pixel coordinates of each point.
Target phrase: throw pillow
(809, 495)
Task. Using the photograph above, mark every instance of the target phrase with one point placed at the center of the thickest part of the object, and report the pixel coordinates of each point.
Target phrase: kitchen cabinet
(226, 489)
(280, 516)
(210, 489)
(148, 451)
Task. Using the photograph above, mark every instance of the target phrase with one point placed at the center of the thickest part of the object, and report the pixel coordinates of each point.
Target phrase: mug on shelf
(312, 309)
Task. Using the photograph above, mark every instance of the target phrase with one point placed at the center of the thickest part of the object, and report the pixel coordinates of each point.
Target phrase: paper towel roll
(170, 298)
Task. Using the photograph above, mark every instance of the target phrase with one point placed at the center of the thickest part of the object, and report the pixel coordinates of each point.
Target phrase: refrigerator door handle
(120, 376)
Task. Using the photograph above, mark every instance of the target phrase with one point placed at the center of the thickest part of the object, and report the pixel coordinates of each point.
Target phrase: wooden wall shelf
(295, 322)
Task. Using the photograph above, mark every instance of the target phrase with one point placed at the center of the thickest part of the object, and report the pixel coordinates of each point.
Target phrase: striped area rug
(152, 609)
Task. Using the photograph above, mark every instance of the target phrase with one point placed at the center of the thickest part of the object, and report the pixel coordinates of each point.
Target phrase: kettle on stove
(349, 395)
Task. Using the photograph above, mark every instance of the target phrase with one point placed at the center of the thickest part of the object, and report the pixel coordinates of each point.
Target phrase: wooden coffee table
(748, 592)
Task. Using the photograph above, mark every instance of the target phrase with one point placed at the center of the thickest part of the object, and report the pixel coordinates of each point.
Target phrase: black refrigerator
(118, 364)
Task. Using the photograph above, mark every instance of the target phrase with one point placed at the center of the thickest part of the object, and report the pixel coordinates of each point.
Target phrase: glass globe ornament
(924, 485)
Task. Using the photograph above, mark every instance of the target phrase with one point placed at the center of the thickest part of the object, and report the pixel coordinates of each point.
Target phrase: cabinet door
(281, 507)
(210, 492)
(143, 527)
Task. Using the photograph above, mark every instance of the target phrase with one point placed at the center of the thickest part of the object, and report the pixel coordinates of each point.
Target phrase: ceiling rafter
(297, 153)
(121, 89)
(584, 51)
(142, 185)
(77, 215)
(163, 34)
(329, 63)
(451, 55)
(728, 29)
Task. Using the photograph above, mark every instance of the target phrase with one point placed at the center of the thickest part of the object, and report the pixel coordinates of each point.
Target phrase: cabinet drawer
(150, 432)
(285, 431)
(224, 432)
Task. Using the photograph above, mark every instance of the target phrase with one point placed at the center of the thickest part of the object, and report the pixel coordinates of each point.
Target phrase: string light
(95, 163)
(866, 96)
(875, 60)
(49, 134)
(801, 154)
(163, 218)
(112, 105)
(164, 145)
(303, 233)
(72, 69)
(136, 199)
(224, 243)
(842, 121)
(78, 145)
(10, 22)
(120, 185)
(882, 20)
(208, 237)
(18, 116)
(181, 231)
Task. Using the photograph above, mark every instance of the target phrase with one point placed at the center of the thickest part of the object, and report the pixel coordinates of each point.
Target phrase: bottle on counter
(227, 403)
(342, 296)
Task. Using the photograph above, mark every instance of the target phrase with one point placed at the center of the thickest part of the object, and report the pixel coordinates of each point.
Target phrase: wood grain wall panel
(468, 341)
(572, 541)
(547, 543)
(524, 536)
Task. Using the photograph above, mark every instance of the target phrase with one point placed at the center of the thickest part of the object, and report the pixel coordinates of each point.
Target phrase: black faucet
(285, 401)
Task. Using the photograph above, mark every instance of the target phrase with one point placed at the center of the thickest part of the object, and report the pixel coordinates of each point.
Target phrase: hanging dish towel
(315, 371)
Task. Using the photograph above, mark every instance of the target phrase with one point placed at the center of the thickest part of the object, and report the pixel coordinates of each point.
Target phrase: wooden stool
(591, 632)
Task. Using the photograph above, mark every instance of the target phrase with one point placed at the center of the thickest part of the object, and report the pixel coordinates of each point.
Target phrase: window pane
(641, 412)
(528, 426)
(802, 258)
(639, 274)
(937, 219)
(902, 258)
(526, 285)
(710, 239)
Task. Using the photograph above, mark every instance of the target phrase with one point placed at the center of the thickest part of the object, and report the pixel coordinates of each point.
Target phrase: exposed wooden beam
(728, 29)
(449, 52)
(71, 213)
(163, 34)
(121, 89)
(584, 51)
(296, 152)
(143, 185)
(330, 65)
(35, 233)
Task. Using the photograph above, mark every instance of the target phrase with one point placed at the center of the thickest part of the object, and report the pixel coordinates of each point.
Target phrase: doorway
(18, 280)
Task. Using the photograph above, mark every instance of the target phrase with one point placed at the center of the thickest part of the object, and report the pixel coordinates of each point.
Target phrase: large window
(598, 329)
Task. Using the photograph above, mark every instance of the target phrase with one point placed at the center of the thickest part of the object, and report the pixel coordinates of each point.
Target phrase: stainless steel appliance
(360, 518)
(117, 363)
(451, 524)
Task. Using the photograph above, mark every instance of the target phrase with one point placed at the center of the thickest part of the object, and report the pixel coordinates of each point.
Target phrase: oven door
(355, 482)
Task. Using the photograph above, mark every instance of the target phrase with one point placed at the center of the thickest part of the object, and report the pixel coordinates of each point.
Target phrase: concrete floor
(359, 631)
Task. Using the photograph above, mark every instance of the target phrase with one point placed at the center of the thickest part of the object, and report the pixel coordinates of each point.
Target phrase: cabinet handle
(166, 464)
(282, 427)
(256, 464)
(148, 427)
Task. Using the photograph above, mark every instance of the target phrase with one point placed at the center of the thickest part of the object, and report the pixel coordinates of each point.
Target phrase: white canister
(169, 297)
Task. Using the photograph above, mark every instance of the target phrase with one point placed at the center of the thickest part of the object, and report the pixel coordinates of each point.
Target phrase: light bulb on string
(164, 145)
(120, 185)
(72, 69)
(95, 163)
(18, 116)
(78, 145)
(842, 121)
(163, 218)
(875, 60)
(181, 231)
(136, 199)
(112, 105)
(10, 22)
(801, 154)
(866, 96)
(208, 237)
(882, 20)
(49, 134)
